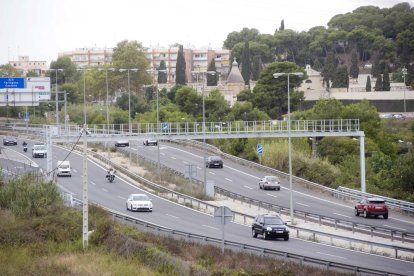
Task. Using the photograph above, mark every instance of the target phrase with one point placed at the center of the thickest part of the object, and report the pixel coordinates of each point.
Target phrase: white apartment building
(25, 65)
(196, 59)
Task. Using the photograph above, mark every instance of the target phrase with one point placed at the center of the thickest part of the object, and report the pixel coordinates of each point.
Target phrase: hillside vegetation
(40, 236)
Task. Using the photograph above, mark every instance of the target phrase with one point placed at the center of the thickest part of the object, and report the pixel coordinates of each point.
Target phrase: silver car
(269, 182)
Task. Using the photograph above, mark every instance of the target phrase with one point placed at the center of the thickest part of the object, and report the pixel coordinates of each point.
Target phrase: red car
(372, 206)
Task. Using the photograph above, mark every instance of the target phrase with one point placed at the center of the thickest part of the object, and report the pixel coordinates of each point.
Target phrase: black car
(7, 141)
(270, 226)
(214, 161)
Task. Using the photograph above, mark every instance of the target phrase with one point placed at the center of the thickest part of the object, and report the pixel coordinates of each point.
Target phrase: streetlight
(404, 72)
(129, 104)
(84, 92)
(204, 124)
(56, 89)
(277, 75)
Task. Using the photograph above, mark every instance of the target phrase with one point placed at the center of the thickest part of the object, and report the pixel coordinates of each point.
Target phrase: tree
(354, 70)
(257, 67)
(9, 70)
(189, 101)
(329, 69)
(162, 76)
(376, 69)
(368, 85)
(212, 79)
(378, 84)
(386, 86)
(282, 25)
(341, 79)
(69, 72)
(216, 106)
(246, 64)
(270, 94)
(245, 34)
(180, 67)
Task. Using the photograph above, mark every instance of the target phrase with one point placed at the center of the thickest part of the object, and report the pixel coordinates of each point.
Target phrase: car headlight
(287, 229)
(269, 228)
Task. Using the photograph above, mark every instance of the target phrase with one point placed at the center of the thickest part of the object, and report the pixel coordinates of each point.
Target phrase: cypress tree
(386, 86)
(378, 84)
(368, 85)
(376, 69)
(282, 25)
(257, 67)
(180, 67)
(341, 79)
(246, 63)
(354, 70)
(212, 79)
(162, 76)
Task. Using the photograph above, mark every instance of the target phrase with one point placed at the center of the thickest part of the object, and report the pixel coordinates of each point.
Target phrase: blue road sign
(164, 126)
(11, 83)
(259, 149)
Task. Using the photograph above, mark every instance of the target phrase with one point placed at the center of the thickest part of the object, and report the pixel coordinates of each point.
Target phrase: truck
(63, 168)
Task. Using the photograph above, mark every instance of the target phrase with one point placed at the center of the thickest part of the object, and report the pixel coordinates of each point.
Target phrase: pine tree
(354, 70)
(212, 79)
(180, 67)
(162, 76)
(246, 63)
(386, 86)
(378, 84)
(368, 85)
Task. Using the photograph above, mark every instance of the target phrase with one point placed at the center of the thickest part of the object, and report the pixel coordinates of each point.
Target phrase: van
(63, 168)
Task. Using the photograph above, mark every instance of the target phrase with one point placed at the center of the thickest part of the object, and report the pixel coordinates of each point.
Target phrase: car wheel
(385, 216)
(260, 186)
(286, 238)
(365, 214)
(221, 166)
(254, 234)
(356, 212)
(265, 236)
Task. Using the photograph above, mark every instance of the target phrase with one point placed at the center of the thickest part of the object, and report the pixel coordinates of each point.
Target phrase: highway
(244, 180)
(174, 216)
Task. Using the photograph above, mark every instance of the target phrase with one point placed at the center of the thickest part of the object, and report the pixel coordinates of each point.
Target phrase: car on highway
(372, 207)
(122, 143)
(150, 141)
(270, 226)
(214, 162)
(9, 141)
(269, 182)
(39, 150)
(139, 202)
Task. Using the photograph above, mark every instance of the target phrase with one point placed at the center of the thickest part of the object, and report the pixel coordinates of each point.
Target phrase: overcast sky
(41, 29)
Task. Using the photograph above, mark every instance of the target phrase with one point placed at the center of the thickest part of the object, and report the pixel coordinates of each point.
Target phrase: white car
(269, 182)
(139, 202)
(122, 143)
(39, 150)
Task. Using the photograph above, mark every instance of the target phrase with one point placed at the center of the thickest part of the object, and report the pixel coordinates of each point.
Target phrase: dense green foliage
(212, 79)
(180, 66)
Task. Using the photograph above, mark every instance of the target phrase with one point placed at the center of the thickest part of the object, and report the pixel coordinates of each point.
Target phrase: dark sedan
(9, 141)
(214, 162)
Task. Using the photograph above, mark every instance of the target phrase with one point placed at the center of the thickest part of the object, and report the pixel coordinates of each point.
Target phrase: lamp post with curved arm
(277, 75)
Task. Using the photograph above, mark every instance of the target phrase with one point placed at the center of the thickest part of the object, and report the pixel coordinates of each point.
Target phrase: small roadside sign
(259, 149)
(223, 215)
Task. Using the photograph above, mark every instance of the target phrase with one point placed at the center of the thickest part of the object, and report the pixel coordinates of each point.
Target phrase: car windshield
(140, 198)
(64, 166)
(273, 221)
(271, 178)
(41, 147)
(376, 201)
(215, 158)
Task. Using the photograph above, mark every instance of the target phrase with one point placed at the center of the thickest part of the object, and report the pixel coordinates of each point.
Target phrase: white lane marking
(75, 171)
(162, 153)
(210, 227)
(105, 190)
(172, 157)
(248, 187)
(411, 222)
(342, 215)
(394, 227)
(185, 162)
(271, 195)
(121, 197)
(331, 255)
(93, 183)
(172, 216)
(298, 203)
(212, 173)
(228, 179)
(198, 168)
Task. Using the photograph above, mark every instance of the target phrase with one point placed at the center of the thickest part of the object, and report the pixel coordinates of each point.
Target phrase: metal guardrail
(345, 224)
(341, 192)
(257, 249)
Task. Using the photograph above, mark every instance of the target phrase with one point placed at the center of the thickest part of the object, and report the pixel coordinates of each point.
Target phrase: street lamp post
(129, 103)
(277, 75)
(56, 94)
(404, 72)
(204, 73)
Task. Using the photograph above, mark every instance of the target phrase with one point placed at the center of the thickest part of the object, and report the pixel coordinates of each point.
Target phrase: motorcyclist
(110, 172)
(24, 144)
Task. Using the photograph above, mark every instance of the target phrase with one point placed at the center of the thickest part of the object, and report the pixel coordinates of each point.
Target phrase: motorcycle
(24, 148)
(111, 176)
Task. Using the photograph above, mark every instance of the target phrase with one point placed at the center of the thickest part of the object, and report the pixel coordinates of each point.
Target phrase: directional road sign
(259, 149)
